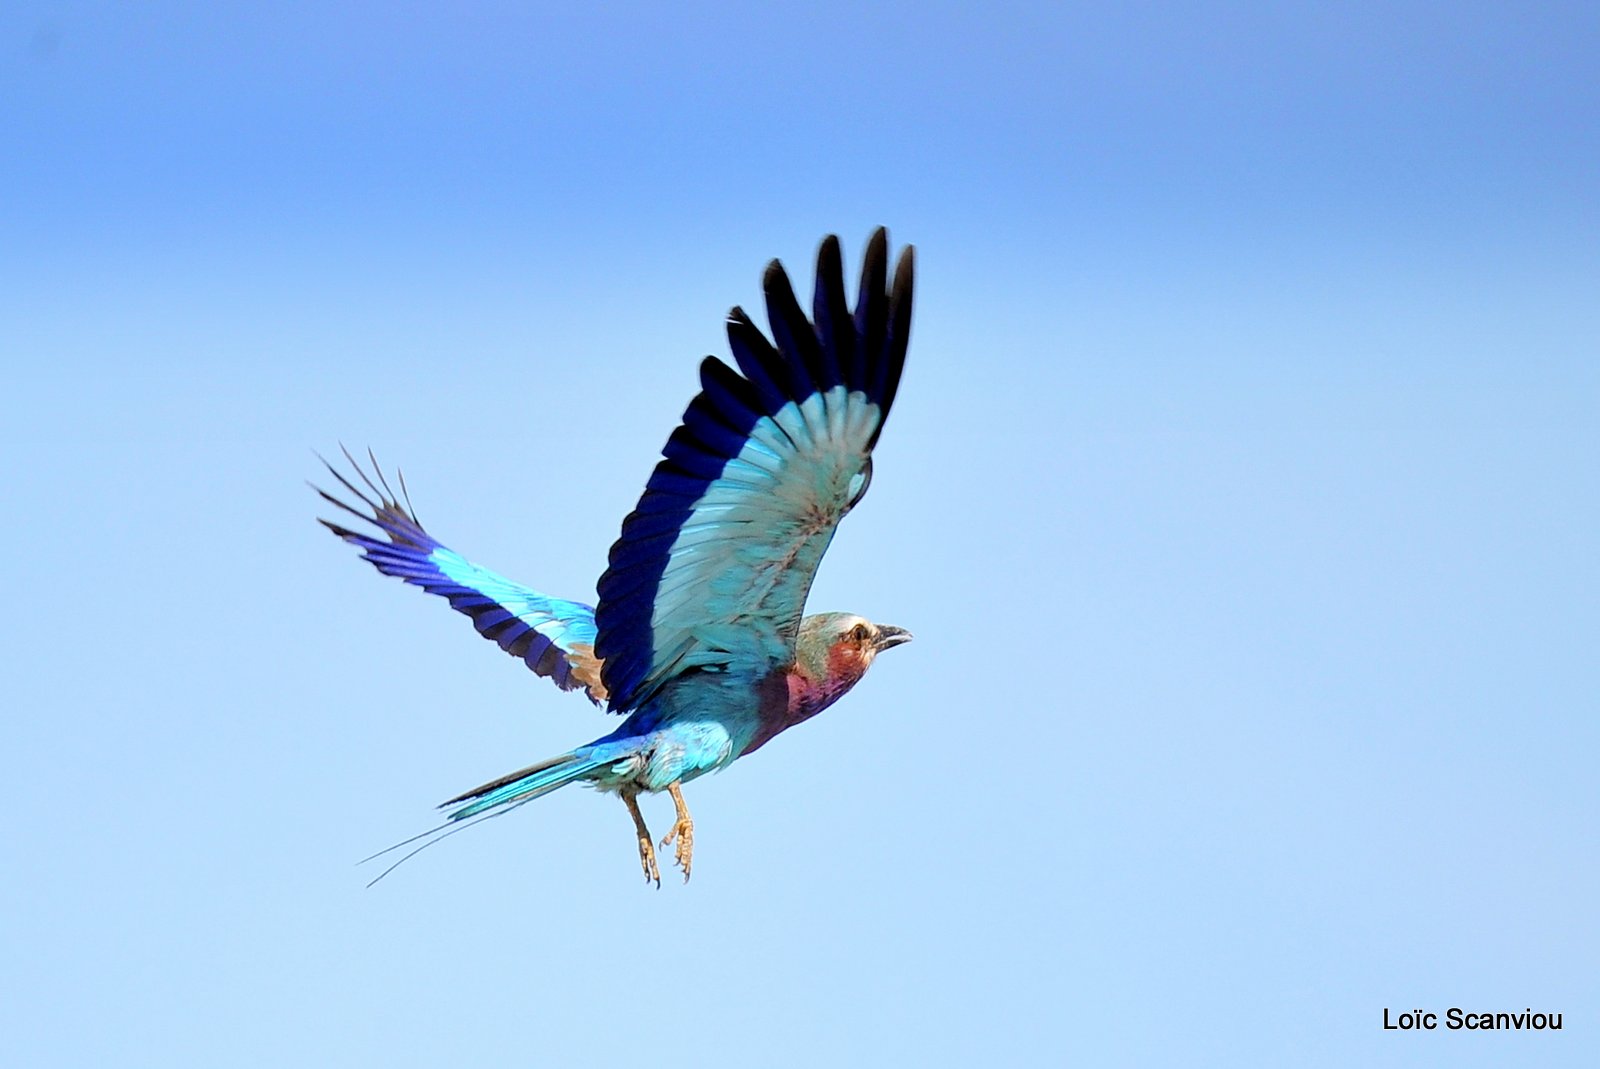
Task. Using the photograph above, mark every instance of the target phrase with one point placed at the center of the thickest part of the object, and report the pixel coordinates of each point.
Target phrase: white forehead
(835, 623)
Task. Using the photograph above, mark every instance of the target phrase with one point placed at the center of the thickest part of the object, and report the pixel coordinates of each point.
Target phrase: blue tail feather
(525, 785)
(498, 797)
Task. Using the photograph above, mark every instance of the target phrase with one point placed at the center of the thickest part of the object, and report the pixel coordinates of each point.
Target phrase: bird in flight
(698, 634)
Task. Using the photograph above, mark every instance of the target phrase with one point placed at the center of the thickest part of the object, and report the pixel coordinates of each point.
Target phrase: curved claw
(647, 853)
(647, 861)
(682, 833)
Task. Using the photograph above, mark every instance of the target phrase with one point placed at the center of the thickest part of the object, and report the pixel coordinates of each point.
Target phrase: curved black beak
(889, 635)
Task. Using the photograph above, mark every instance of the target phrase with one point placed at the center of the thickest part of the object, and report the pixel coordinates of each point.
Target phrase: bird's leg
(682, 832)
(647, 853)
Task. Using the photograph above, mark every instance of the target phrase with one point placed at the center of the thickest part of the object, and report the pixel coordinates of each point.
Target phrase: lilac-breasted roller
(698, 634)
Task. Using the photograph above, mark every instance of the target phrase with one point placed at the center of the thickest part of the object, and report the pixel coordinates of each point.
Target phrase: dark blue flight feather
(713, 565)
(552, 636)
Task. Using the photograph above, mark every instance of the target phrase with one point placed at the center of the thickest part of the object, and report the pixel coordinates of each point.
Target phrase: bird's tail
(524, 785)
(500, 797)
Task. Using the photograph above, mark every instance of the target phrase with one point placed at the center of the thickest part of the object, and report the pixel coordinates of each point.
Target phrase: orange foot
(682, 833)
(647, 853)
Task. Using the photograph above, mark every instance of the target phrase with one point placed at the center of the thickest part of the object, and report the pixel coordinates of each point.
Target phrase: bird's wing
(712, 568)
(552, 636)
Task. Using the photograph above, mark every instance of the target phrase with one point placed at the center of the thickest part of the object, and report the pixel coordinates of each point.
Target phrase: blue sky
(1241, 493)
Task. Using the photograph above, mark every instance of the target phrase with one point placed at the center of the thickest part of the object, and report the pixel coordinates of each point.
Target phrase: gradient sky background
(1242, 494)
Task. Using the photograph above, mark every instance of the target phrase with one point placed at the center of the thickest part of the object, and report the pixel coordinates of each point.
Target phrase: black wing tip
(339, 530)
(883, 310)
(830, 253)
(905, 268)
(830, 267)
(391, 513)
(900, 298)
(775, 280)
(877, 252)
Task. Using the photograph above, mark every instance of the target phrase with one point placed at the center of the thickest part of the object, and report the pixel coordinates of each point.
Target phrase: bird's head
(841, 646)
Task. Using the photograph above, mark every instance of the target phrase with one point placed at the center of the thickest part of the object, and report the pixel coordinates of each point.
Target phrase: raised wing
(712, 568)
(553, 637)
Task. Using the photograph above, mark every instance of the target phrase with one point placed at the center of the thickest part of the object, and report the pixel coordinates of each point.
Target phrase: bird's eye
(859, 633)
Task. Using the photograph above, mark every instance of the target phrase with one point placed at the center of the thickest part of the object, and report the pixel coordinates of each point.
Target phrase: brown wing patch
(586, 670)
